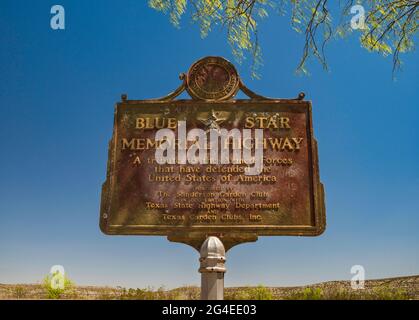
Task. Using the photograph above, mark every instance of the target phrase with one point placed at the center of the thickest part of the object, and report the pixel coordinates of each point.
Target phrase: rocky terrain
(391, 288)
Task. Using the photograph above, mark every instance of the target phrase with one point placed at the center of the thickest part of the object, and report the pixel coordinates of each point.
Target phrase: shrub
(55, 291)
(258, 293)
(19, 292)
(307, 294)
(386, 293)
(148, 294)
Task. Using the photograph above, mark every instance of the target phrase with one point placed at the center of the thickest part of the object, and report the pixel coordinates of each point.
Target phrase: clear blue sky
(57, 91)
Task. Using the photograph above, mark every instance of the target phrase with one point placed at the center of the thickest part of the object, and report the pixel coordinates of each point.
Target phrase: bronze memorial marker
(190, 202)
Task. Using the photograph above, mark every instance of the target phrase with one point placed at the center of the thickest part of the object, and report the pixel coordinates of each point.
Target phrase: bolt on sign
(213, 164)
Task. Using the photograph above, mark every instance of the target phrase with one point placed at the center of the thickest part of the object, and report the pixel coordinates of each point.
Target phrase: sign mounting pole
(212, 269)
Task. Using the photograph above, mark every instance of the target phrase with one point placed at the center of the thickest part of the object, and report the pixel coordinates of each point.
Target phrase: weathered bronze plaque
(187, 202)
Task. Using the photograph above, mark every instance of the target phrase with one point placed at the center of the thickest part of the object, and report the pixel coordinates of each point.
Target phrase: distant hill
(391, 288)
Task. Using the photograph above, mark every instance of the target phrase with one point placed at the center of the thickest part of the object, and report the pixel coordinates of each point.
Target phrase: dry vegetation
(382, 289)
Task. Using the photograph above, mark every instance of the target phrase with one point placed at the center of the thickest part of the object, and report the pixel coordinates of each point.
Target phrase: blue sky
(57, 91)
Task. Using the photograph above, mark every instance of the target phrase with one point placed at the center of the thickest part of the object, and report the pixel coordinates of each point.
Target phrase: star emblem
(213, 121)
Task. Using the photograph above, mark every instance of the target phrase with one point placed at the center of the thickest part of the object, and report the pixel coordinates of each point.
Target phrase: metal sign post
(212, 269)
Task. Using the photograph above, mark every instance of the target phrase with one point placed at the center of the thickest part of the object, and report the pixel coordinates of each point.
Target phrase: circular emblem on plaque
(212, 78)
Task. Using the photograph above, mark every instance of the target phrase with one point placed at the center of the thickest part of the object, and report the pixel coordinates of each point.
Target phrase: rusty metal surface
(127, 189)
